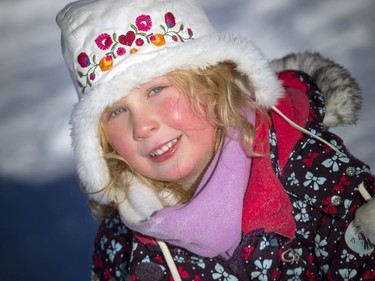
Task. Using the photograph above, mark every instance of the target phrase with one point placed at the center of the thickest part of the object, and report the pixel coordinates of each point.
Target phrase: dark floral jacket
(322, 186)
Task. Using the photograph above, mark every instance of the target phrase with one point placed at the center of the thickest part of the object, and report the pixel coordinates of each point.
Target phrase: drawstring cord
(361, 187)
(303, 130)
(169, 259)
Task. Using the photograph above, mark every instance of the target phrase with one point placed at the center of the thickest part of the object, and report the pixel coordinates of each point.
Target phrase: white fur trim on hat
(90, 32)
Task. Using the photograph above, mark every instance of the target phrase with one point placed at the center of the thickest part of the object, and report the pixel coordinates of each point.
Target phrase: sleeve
(112, 250)
(324, 188)
(355, 256)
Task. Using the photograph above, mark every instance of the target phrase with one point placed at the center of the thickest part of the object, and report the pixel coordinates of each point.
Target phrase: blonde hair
(219, 93)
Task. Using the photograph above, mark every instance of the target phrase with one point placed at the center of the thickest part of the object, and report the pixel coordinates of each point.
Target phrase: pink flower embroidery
(139, 42)
(83, 60)
(190, 32)
(169, 20)
(143, 22)
(104, 41)
(128, 43)
(121, 51)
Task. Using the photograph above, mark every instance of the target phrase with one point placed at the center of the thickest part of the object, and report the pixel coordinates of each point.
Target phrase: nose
(144, 125)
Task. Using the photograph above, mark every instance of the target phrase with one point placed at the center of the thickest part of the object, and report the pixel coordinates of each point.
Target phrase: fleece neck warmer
(210, 224)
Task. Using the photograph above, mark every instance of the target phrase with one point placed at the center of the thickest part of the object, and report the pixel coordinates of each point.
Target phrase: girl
(203, 163)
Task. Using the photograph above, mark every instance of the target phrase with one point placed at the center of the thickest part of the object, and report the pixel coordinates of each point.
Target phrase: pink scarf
(210, 224)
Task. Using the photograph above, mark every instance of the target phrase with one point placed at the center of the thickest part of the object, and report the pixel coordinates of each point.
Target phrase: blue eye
(156, 90)
(118, 111)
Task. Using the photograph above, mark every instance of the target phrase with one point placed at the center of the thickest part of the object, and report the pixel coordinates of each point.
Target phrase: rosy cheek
(172, 110)
(124, 148)
(116, 139)
(179, 112)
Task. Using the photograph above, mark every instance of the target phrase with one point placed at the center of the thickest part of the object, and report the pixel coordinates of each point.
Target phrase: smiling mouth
(164, 148)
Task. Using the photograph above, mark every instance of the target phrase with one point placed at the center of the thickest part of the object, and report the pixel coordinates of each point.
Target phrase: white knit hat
(112, 46)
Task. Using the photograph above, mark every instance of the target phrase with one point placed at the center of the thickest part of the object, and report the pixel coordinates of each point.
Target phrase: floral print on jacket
(322, 186)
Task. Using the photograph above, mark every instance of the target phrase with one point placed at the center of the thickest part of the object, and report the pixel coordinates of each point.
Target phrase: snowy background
(46, 230)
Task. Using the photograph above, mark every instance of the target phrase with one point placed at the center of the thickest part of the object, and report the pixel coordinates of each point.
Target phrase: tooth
(164, 148)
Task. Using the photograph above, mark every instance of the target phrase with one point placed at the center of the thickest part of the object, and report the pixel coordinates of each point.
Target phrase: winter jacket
(322, 188)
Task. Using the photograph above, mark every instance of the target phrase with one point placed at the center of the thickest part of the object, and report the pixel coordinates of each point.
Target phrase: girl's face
(159, 134)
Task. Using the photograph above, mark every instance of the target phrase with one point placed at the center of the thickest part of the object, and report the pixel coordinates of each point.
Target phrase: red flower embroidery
(83, 60)
(121, 51)
(137, 34)
(139, 42)
(169, 20)
(104, 41)
(143, 22)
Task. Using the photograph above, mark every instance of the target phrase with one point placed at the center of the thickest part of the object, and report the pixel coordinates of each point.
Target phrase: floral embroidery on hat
(128, 43)
(104, 41)
(143, 22)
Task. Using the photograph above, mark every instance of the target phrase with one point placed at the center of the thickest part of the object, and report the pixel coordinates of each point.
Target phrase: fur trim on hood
(365, 221)
(341, 91)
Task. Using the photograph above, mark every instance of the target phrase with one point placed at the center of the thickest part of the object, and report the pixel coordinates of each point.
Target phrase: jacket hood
(341, 91)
